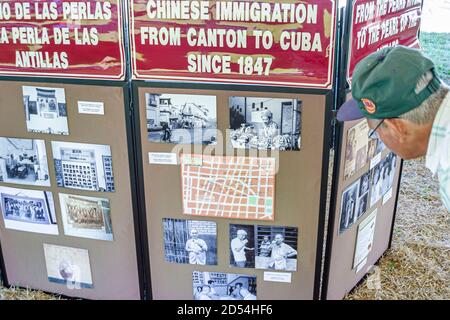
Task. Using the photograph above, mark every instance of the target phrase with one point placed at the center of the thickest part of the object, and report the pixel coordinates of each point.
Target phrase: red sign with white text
(380, 23)
(63, 39)
(267, 42)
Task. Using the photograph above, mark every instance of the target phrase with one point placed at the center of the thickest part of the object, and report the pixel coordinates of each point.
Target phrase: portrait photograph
(28, 210)
(388, 168)
(265, 123)
(223, 286)
(276, 248)
(68, 266)
(45, 110)
(190, 241)
(23, 161)
(83, 166)
(86, 217)
(356, 149)
(348, 206)
(242, 245)
(376, 184)
(181, 118)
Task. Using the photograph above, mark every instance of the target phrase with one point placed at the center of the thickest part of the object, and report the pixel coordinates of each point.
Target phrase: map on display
(228, 187)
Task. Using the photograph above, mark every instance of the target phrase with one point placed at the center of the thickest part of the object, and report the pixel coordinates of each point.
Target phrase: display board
(64, 39)
(275, 42)
(363, 207)
(377, 24)
(234, 183)
(66, 189)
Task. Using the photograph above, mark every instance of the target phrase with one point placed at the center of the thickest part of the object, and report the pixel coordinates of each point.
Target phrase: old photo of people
(263, 247)
(363, 195)
(28, 210)
(356, 149)
(242, 245)
(348, 206)
(190, 241)
(223, 286)
(83, 166)
(23, 161)
(86, 217)
(265, 123)
(388, 164)
(181, 118)
(45, 110)
(68, 266)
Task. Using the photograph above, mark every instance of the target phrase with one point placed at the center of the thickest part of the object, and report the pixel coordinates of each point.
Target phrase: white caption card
(90, 107)
(376, 160)
(387, 196)
(284, 277)
(162, 158)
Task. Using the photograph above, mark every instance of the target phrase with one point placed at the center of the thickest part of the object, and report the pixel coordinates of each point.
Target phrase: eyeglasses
(375, 129)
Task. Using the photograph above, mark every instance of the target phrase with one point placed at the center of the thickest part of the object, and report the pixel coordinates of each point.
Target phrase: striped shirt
(438, 154)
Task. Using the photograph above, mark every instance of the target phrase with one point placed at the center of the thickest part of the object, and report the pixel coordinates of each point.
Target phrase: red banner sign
(268, 42)
(65, 38)
(380, 23)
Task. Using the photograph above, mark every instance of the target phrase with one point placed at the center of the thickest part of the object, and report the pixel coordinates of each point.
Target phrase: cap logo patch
(369, 105)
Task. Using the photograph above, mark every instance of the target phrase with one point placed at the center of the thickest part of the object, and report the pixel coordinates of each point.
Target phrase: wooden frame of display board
(114, 264)
(160, 193)
(338, 278)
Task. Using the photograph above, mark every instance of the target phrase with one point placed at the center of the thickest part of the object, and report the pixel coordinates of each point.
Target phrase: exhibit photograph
(68, 266)
(181, 118)
(223, 286)
(83, 166)
(28, 210)
(265, 123)
(190, 241)
(348, 206)
(86, 217)
(263, 247)
(45, 110)
(356, 150)
(24, 161)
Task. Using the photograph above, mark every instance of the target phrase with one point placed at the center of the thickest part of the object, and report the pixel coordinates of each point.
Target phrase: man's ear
(396, 126)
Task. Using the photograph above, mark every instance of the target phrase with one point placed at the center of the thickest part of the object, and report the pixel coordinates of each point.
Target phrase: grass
(437, 47)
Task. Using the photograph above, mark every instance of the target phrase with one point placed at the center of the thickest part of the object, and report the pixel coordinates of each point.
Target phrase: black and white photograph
(223, 286)
(68, 266)
(388, 165)
(348, 206)
(363, 195)
(242, 245)
(86, 217)
(23, 161)
(376, 184)
(83, 166)
(181, 118)
(265, 123)
(276, 248)
(190, 241)
(263, 247)
(45, 110)
(28, 210)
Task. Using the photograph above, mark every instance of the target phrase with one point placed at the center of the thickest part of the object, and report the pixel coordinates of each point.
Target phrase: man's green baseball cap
(384, 84)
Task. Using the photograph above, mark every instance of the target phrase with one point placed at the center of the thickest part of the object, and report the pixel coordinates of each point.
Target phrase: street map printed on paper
(228, 187)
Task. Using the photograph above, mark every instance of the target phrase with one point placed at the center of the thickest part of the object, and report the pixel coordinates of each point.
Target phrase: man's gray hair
(426, 112)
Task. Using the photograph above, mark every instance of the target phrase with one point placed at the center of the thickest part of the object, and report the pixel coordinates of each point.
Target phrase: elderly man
(280, 253)
(238, 247)
(398, 91)
(196, 249)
